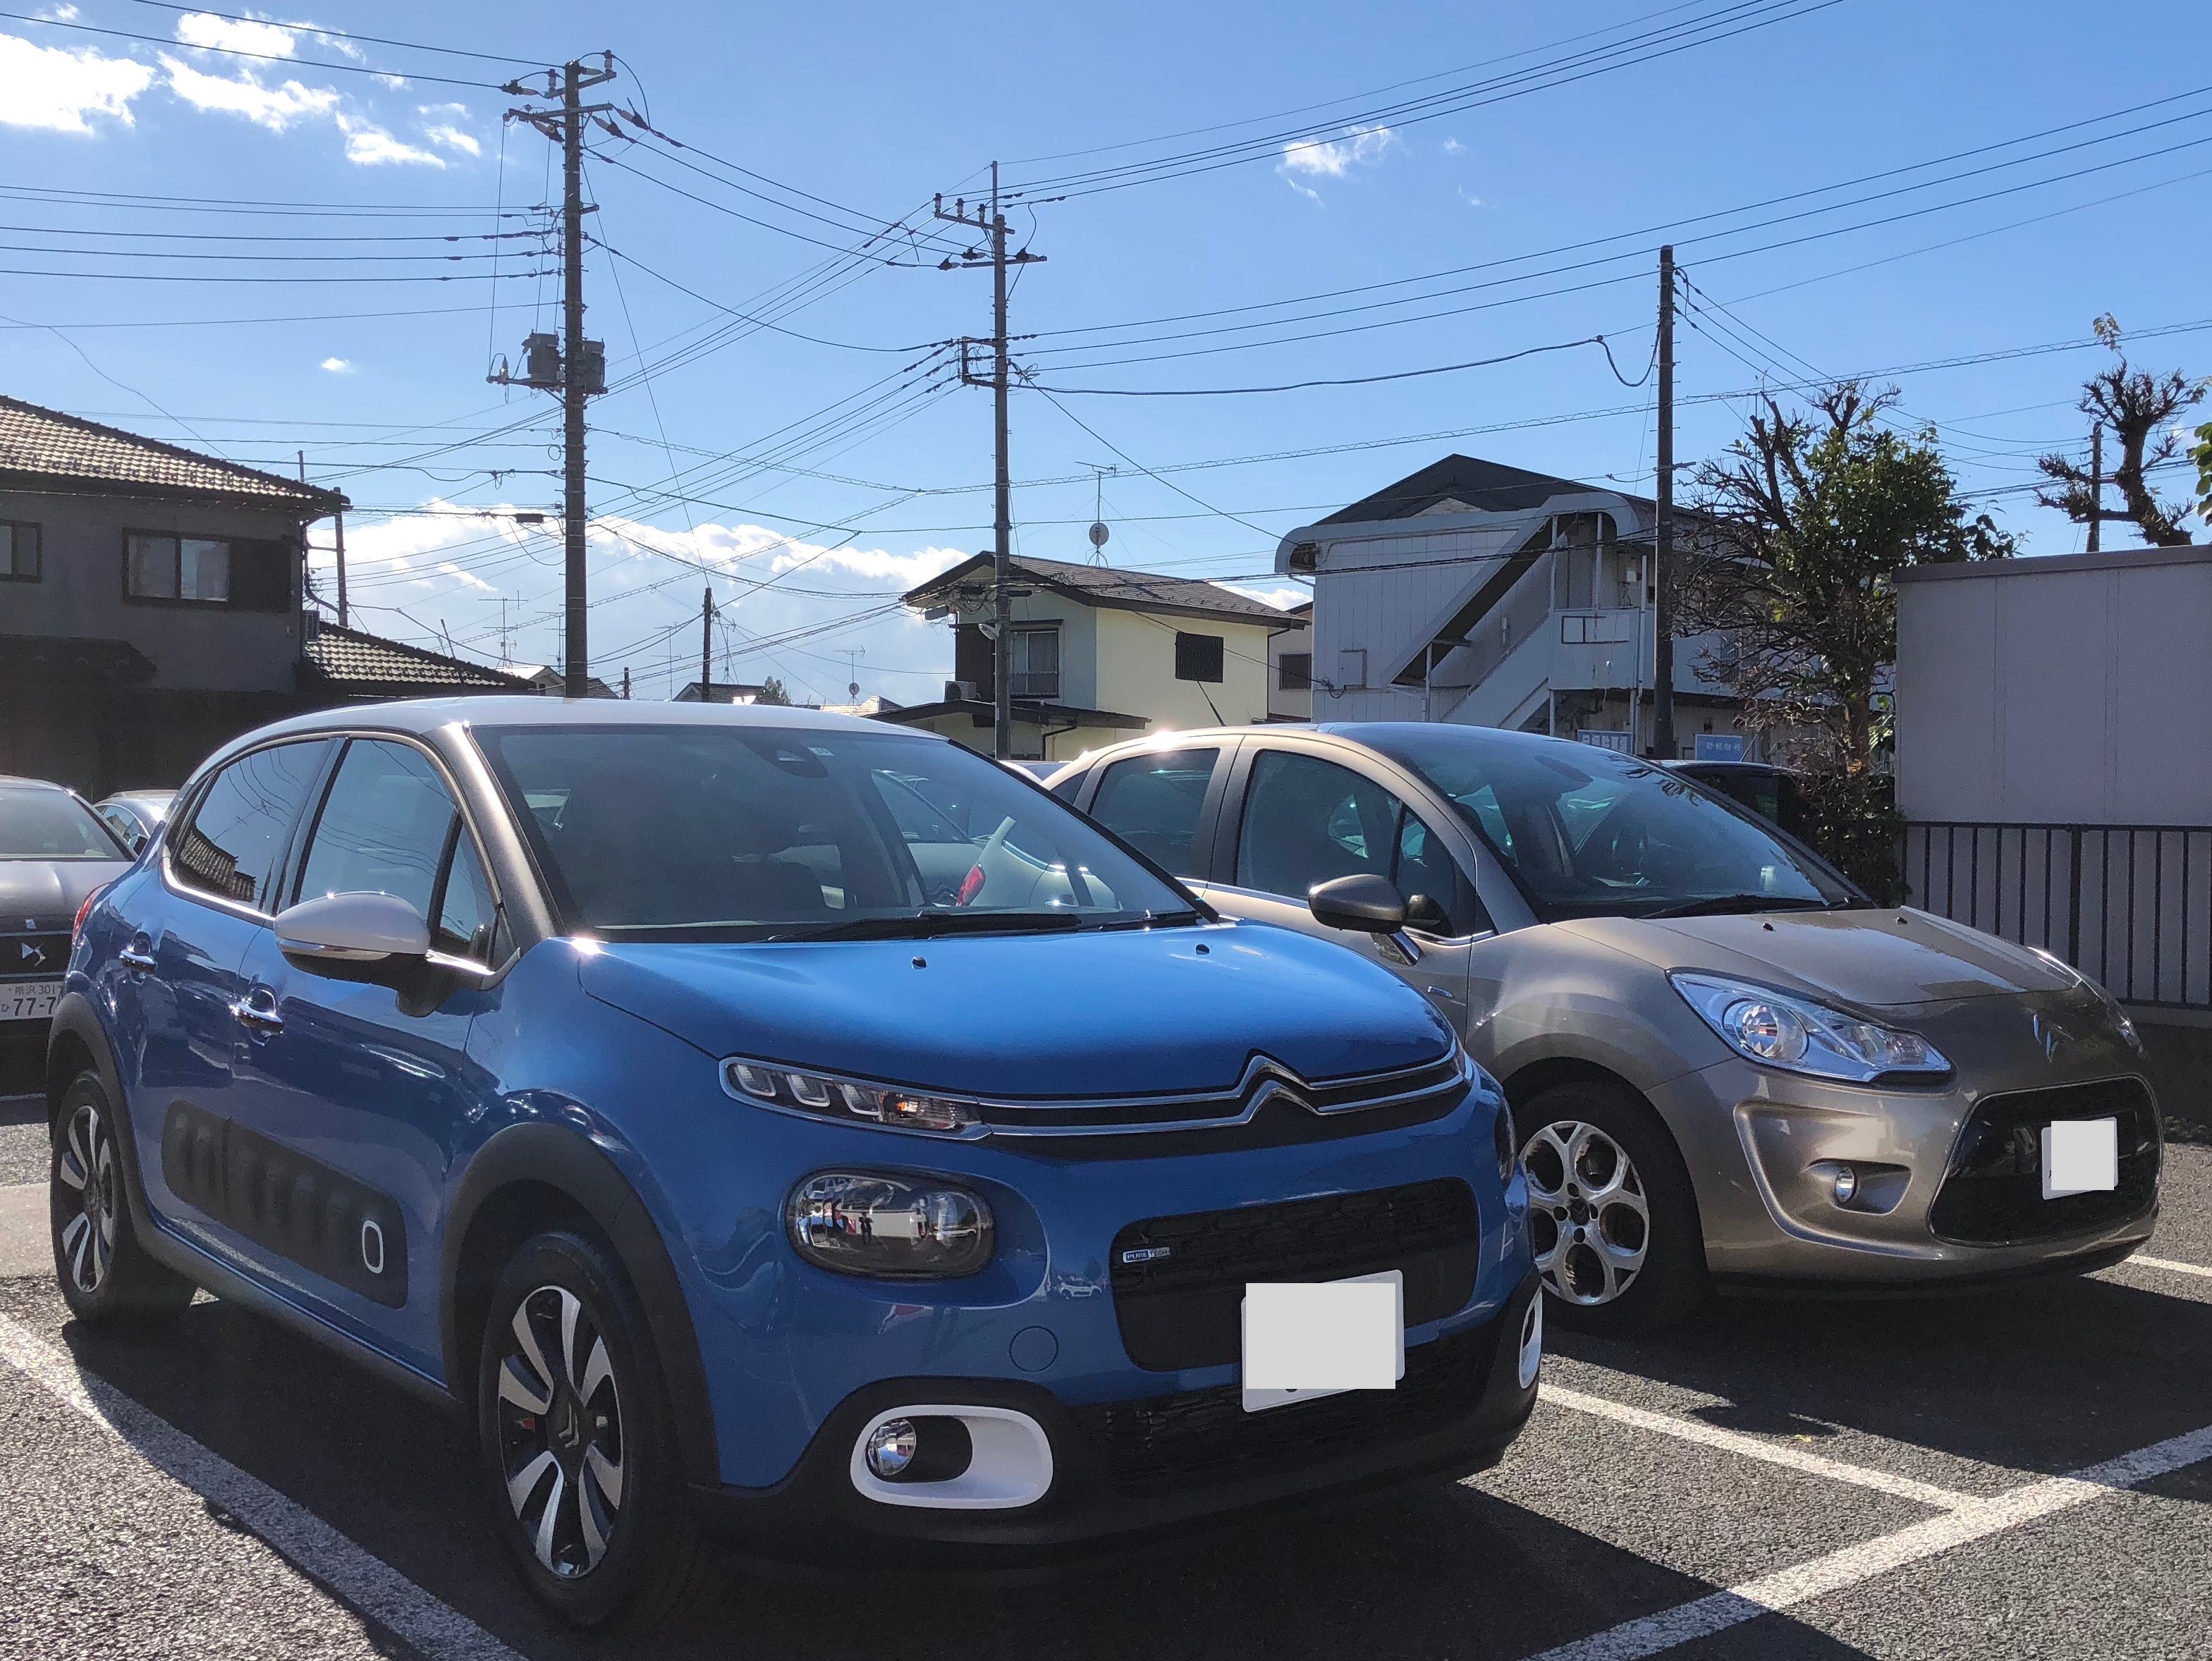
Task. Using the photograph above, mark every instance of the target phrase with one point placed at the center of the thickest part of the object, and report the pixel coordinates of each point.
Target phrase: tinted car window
(236, 838)
(1152, 802)
(752, 833)
(1590, 833)
(467, 917)
(1308, 821)
(383, 828)
(50, 824)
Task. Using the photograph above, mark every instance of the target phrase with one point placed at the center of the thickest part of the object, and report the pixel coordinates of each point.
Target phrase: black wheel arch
(529, 1177)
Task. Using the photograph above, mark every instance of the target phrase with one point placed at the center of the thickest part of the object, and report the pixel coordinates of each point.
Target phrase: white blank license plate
(29, 1000)
(1303, 1341)
(2080, 1156)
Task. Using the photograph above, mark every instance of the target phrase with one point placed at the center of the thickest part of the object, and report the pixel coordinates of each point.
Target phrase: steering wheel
(974, 883)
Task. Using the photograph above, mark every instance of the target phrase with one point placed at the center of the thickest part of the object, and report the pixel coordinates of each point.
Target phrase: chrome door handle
(131, 957)
(257, 1018)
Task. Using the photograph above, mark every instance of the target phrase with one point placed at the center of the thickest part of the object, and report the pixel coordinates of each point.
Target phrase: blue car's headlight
(826, 1096)
(1797, 1035)
(893, 1227)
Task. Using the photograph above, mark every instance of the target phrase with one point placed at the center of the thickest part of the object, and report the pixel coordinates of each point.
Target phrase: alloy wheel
(1587, 1212)
(561, 1431)
(87, 1165)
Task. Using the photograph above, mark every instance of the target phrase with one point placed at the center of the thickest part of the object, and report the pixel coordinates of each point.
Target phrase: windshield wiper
(1174, 919)
(1724, 904)
(924, 925)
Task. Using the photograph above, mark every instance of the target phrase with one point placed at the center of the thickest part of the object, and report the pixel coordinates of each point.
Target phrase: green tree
(1803, 526)
(773, 693)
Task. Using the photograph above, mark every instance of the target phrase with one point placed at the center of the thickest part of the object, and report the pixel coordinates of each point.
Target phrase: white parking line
(2170, 1266)
(1758, 1447)
(1976, 1520)
(365, 1582)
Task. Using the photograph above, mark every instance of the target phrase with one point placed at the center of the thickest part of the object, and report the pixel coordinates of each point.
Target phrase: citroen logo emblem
(35, 955)
(2051, 1035)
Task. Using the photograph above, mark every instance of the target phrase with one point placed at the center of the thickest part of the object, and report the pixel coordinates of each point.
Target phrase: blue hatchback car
(773, 1122)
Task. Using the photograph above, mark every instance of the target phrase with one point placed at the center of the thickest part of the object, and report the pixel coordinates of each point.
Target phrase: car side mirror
(353, 928)
(1364, 903)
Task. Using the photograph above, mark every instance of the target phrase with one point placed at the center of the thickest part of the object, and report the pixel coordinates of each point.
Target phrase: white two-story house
(1489, 596)
(1098, 654)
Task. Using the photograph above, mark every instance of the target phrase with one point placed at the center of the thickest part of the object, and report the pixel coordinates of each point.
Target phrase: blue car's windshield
(757, 833)
(1592, 833)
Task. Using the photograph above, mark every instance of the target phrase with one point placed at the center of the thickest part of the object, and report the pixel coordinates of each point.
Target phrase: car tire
(578, 1442)
(107, 1277)
(1611, 1216)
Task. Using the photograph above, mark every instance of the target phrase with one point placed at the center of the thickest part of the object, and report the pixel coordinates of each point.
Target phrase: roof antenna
(1099, 533)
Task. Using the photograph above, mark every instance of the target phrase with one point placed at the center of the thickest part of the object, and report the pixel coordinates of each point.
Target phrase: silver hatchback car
(1728, 1066)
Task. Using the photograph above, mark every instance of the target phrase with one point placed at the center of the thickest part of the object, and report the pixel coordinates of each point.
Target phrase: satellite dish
(1099, 533)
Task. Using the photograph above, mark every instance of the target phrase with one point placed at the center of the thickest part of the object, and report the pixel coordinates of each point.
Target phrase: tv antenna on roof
(1099, 533)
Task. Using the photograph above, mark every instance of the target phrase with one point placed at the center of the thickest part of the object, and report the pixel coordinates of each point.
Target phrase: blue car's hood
(1086, 1014)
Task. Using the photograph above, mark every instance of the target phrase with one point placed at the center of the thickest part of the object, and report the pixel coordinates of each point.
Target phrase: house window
(242, 573)
(1294, 672)
(1033, 660)
(19, 553)
(179, 568)
(1197, 656)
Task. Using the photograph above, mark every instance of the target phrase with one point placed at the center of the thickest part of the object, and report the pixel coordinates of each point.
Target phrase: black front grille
(34, 956)
(1203, 1435)
(1178, 1282)
(1993, 1195)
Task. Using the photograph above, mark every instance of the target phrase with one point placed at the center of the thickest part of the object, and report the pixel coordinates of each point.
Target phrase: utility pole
(1662, 529)
(2096, 489)
(992, 223)
(576, 367)
(707, 644)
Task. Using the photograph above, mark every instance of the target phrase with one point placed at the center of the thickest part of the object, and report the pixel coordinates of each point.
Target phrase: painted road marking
(1758, 1447)
(2169, 1265)
(1974, 1520)
(305, 1540)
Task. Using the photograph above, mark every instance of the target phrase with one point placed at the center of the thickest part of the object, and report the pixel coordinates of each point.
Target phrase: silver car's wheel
(561, 1433)
(1589, 1221)
(85, 1168)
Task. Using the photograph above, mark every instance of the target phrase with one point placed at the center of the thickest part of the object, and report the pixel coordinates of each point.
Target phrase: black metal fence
(2130, 905)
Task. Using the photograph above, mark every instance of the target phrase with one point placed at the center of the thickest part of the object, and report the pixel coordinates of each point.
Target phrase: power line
(336, 34)
(1301, 386)
(174, 45)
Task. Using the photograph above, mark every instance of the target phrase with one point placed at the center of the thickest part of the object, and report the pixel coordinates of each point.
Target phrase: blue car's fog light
(892, 1447)
(849, 1099)
(891, 1227)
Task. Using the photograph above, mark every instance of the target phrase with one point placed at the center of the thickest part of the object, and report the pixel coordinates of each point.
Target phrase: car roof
(1373, 733)
(424, 716)
(14, 781)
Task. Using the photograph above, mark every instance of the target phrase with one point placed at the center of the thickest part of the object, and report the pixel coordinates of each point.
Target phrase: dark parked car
(1768, 791)
(55, 853)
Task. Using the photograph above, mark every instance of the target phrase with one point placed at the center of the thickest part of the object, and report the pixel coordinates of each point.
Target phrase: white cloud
(275, 108)
(50, 87)
(1453, 146)
(204, 28)
(1335, 158)
(337, 365)
(453, 139)
(368, 145)
(61, 14)
(1281, 598)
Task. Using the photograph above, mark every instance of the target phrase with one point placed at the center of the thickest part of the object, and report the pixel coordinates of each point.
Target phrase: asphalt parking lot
(2016, 1473)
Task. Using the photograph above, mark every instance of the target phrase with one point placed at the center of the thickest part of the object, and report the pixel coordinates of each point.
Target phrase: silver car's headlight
(1776, 1029)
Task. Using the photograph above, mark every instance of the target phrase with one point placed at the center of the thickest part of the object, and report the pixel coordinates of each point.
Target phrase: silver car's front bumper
(1764, 1147)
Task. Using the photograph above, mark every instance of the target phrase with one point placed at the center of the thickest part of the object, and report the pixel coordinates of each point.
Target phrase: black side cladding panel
(297, 1206)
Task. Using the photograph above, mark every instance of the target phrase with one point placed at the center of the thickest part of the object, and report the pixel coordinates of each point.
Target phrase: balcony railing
(2128, 904)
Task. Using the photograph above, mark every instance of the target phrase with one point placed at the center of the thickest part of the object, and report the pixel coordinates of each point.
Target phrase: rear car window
(234, 844)
(1152, 803)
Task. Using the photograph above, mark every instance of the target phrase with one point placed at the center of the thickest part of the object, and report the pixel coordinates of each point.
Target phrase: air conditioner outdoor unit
(960, 692)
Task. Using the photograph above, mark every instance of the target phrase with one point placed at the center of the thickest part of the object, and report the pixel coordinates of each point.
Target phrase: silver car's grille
(1993, 1193)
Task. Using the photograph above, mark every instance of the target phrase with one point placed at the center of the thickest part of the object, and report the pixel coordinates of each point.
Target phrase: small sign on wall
(1720, 747)
(1604, 739)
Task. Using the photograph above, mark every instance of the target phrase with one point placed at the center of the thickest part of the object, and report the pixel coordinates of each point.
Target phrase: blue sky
(810, 523)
